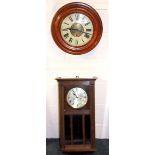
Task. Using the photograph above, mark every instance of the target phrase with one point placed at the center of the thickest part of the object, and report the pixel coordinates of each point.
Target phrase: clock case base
(87, 114)
(78, 148)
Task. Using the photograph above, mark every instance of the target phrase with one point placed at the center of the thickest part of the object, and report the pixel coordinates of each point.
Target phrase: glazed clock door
(77, 114)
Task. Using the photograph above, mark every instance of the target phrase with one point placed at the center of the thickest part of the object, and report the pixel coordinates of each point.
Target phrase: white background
(61, 64)
(23, 71)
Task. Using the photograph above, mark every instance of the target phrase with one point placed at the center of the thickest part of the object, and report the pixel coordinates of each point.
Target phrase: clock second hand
(77, 30)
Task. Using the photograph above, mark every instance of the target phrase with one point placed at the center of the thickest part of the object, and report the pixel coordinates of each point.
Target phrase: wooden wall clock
(76, 28)
(77, 114)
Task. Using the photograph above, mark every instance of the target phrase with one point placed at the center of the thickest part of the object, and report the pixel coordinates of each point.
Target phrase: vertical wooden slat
(71, 127)
(61, 107)
(83, 129)
(92, 116)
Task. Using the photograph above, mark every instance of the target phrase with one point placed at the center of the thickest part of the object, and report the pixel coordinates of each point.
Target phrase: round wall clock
(76, 28)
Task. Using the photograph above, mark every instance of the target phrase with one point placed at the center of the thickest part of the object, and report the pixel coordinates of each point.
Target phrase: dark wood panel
(79, 112)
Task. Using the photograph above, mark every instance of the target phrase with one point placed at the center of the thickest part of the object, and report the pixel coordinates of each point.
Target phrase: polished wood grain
(76, 7)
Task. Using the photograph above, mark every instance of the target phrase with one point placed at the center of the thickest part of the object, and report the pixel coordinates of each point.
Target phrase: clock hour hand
(77, 30)
(75, 94)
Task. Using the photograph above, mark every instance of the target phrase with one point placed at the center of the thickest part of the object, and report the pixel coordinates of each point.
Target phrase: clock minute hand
(77, 30)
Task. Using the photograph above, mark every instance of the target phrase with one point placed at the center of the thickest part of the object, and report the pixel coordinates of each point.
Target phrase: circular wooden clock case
(76, 28)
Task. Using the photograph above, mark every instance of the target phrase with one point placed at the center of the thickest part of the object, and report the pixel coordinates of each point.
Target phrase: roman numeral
(83, 17)
(76, 42)
(87, 23)
(70, 18)
(82, 40)
(66, 23)
(64, 29)
(88, 30)
(77, 16)
(70, 40)
(86, 35)
(66, 35)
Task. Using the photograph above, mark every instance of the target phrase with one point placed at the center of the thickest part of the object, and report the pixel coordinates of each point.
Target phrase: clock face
(77, 97)
(76, 29)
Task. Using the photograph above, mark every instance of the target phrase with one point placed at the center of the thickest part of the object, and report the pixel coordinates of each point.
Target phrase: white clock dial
(77, 29)
(77, 97)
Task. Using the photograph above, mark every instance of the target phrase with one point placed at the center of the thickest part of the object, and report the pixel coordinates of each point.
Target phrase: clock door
(77, 115)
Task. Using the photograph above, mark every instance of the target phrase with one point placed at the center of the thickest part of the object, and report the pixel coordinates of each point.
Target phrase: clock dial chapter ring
(77, 97)
(76, 32)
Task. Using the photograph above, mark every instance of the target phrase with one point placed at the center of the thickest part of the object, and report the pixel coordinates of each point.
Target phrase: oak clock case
(77, 114)
(76, 28)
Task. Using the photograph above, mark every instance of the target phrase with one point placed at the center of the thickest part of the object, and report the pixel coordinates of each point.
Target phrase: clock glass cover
(76, 29)
(77, 97)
